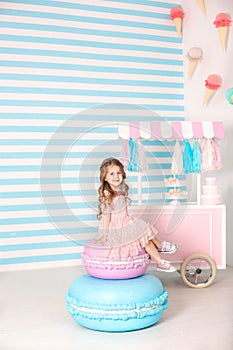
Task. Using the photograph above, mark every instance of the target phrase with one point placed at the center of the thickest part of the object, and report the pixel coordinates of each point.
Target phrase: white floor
(33, 315)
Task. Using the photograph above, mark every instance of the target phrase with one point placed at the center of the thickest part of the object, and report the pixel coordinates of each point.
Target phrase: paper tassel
(134, 160)
(207, 155)
(142, 157)
(217, 162)
(196, 158)
(125, 154)
(177, 161)
(187, 158)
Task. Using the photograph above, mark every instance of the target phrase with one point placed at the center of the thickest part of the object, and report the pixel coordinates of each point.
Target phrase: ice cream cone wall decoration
(229, 95)
(195, 55)
(212, 84)
(177, 15)
(222, 23)
(201, 4)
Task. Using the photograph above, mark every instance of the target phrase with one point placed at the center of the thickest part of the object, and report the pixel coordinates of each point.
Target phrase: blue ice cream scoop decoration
(229, 95)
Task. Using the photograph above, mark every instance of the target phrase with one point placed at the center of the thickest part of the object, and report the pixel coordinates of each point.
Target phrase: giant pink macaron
(98, 264)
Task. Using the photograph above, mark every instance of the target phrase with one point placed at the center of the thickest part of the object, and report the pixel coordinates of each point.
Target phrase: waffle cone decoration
(212, 84)
(191, 69)
(195, 55)
(223, 32)
(207, 96)
(222, 23)
(201, 4)
(178, 24)
(177, 15)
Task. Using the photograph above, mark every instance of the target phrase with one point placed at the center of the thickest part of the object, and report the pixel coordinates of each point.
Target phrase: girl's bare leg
(157, 242)
(153, 252)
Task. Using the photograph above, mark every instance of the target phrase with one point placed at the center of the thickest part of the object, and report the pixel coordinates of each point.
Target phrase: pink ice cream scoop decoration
(212, 83)
(222, 23)
(177, 15)
(222, 20)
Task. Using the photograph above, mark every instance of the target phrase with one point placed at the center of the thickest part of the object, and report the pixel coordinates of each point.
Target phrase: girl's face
(114, 176)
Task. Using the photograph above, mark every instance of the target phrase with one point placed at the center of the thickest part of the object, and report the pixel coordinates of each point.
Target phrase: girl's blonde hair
(106, 193)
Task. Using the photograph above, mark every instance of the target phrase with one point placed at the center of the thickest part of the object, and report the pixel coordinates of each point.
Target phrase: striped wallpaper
(70, 71)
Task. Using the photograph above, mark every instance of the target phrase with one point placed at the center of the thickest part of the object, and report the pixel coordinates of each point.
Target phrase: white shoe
(168, 248)
(165, 266)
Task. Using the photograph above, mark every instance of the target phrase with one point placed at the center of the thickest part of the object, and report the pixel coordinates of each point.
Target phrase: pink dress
(125, 235)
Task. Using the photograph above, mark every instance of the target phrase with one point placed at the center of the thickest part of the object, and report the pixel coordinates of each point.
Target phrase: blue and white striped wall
(62, 66)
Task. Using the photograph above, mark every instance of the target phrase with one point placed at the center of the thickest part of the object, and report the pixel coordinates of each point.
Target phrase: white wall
(199, 31)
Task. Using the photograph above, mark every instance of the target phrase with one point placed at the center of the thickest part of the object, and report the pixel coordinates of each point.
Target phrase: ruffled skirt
(127, 236)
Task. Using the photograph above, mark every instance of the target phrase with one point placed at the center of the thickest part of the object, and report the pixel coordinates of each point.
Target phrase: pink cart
(199, 228)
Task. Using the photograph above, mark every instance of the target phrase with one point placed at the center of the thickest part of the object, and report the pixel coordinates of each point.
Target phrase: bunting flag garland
(204, 156)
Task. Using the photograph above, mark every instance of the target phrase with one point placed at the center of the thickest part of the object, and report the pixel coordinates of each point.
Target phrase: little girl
(122, 234)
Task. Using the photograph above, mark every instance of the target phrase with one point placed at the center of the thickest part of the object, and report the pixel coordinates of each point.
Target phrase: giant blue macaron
(116, 305)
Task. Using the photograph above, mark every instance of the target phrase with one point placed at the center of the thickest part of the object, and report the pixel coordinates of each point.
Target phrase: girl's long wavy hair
(106, 193)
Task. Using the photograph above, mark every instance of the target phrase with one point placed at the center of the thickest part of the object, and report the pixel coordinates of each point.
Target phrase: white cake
(210, 192)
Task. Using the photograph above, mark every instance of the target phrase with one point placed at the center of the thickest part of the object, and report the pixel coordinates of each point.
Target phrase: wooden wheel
(198, 270)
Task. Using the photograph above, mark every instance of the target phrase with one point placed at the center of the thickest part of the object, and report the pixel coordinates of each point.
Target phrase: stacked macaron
(115, 295)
